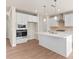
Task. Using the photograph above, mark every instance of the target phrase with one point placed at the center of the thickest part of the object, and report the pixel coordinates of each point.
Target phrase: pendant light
(55, 17)
(55, 10)
(45, 18)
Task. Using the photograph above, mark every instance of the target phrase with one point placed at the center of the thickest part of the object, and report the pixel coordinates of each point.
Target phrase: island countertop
(59, 42)
(57, 34)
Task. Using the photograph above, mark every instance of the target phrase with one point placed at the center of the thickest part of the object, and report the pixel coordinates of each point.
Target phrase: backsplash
(66, 28)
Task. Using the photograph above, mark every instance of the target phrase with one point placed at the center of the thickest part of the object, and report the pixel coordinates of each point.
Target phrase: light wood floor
(31, 50)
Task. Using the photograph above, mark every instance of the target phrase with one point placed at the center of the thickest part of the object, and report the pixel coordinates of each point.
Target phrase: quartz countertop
(57, 34)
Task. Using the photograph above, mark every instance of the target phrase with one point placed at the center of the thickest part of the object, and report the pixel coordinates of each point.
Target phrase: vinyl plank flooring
(31, 50)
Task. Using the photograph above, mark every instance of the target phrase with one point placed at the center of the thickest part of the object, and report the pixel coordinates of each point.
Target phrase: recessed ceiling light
(58, 9)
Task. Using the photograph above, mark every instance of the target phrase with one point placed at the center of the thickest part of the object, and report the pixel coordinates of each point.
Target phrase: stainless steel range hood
(61, 22)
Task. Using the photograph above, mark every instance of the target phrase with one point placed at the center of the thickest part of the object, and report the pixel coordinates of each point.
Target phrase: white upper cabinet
(68, 19)
(21, 18)
(24, 18)
(33, 18)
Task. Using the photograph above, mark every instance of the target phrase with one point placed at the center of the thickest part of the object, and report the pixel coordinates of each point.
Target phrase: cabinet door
(68, 19)
(22, 19)
(53, 43)
(19, 18)
(30, 18)
(33, 18)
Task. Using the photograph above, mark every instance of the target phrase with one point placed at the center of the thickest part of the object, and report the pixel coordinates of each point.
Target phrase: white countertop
(57, 34)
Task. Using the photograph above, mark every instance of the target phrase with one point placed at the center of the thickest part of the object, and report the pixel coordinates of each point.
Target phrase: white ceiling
(31, 5)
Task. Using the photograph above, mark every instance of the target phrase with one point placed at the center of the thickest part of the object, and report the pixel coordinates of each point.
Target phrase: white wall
(12, 26)
(9, 21)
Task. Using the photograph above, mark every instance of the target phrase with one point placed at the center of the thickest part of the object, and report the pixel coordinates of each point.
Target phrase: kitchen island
(59, 42)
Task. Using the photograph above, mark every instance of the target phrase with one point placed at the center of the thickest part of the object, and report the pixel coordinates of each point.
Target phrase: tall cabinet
(31, 23)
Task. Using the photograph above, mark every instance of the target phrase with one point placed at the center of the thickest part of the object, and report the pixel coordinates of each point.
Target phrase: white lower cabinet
(62, 46)
(21, 40)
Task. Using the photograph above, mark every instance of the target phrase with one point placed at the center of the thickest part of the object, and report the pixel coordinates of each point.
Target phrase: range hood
(61, 22)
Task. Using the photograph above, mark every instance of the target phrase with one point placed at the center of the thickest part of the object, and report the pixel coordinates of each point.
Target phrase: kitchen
(59, 36)
(53, 32)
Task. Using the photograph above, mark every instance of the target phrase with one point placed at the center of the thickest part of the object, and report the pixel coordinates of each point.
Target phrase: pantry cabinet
(31, 23)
